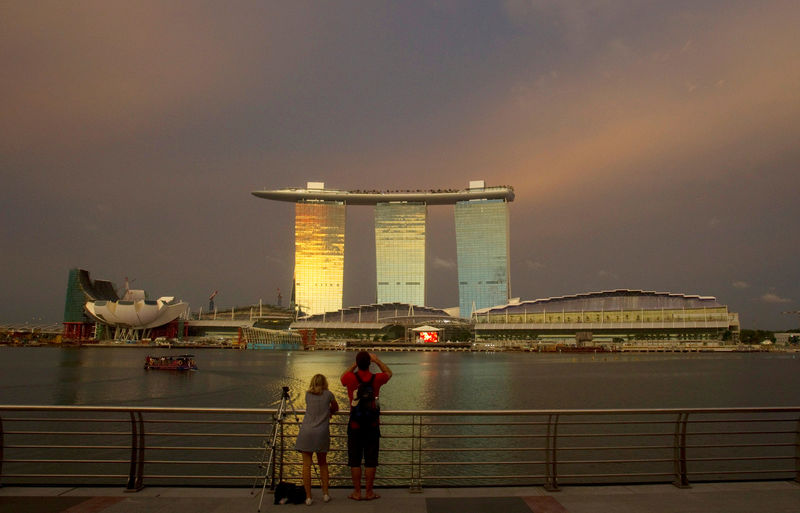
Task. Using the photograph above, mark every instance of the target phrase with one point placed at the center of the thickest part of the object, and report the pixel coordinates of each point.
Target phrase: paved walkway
(748, 497)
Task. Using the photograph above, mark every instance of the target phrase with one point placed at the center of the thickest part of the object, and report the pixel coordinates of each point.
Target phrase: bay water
(422, 380)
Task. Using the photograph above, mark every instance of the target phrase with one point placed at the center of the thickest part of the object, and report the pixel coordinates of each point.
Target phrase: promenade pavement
(744, 497)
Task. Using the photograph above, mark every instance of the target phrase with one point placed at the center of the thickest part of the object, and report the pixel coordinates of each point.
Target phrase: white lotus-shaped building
(132, 317)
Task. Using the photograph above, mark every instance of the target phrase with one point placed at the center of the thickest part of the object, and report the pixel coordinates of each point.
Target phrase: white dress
(315, 433)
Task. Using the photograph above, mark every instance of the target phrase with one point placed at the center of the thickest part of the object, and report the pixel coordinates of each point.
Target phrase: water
(253, 379)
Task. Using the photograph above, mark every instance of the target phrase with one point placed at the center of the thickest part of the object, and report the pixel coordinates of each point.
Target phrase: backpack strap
(361, 381)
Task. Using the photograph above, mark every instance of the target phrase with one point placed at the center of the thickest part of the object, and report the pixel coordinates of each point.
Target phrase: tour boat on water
(183, 362)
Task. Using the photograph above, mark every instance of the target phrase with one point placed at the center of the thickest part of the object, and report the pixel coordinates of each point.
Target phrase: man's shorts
(363, 444)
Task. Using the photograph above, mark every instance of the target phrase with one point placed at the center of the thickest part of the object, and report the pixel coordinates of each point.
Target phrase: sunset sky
(651, 145)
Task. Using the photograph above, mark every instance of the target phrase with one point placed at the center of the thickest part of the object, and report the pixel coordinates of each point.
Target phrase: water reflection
(253, 379)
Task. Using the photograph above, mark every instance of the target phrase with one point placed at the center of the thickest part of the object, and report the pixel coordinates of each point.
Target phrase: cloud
(533, 265)
(602, 273)
(443, 263)
(740, 284)
(770, 297)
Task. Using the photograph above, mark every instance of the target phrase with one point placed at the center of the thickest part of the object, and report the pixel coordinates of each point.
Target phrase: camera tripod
(268, 457)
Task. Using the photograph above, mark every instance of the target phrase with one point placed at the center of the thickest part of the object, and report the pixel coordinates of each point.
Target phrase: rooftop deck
(430, 197)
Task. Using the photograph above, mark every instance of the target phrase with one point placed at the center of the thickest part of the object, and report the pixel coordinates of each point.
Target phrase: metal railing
(81, 445)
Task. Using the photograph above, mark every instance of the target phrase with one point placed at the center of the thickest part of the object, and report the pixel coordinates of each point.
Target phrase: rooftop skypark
(316, 191)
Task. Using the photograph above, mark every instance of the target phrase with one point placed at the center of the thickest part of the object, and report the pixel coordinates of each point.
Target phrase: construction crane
(211, 300)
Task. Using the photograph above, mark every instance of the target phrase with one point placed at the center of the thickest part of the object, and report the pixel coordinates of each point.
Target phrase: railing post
(551, 455)
(416, 454)
(796, 451)
(137, 453)
(2, 455)
(679, 451)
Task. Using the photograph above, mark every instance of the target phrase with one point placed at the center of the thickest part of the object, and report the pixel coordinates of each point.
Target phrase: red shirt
(349, 380)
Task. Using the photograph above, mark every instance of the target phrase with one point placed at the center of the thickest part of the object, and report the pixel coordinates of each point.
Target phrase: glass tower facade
(482, 249)
(400, 252)
(319, 256)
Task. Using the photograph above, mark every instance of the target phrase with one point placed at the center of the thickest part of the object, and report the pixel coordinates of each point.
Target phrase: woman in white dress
(314, 435)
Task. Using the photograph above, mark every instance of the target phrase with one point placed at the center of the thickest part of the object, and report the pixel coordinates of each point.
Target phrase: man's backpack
(364, 410)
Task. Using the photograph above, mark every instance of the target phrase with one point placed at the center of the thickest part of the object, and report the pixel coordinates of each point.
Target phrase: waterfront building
(482, 253)
(391, 323)
(623, 319)
(400, 252)
(93, 310)
(319, 255)
(619, 316)
(400, 245)
(80, 289)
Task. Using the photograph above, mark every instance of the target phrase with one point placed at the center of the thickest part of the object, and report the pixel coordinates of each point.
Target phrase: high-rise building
(400, 252)
(319, 255)
(400, 245)
(482, 248)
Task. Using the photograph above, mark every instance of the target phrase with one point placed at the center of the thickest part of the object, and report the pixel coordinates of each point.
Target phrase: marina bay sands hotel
(482, 243)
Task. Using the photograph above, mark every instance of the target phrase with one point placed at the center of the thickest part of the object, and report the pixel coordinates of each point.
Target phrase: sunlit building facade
(400, 243)
(482, 248)
(400, 252)
(319, 256)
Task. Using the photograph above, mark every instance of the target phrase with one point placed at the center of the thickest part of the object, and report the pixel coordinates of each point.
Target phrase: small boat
(183, 362)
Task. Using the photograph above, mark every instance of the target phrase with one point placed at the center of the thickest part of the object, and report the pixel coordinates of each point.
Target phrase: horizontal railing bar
(741, 420)
(479, 424)
(483, 449)
(7, 460)
(82, 433)
(743, 458)
(603, 462)
(722, 446)
(472, 463)
(635, 474)
(204, 448)
(616, 448)
(754, 471)
(462, 478)
(426, 413)
(215, 422)
(111, 447)
(727, 433)
(474, 424)
(154, 448)
(104, 476)
(457, 437)
(250, 477)
(198, 462)
(235, 435)
(59, 419)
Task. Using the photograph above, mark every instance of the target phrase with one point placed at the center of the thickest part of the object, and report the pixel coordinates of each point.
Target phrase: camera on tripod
(267, 462)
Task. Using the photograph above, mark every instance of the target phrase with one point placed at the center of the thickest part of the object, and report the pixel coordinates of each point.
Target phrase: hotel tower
(482, 243)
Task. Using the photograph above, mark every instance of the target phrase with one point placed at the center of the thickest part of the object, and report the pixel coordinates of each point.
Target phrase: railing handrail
(595, 411)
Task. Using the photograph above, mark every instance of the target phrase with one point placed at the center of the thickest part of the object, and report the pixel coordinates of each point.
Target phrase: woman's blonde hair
(318, 384)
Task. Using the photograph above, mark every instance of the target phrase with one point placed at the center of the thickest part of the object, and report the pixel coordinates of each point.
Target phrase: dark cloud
(652, 145)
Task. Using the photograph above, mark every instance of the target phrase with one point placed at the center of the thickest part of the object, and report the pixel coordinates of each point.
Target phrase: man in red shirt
(363, 440)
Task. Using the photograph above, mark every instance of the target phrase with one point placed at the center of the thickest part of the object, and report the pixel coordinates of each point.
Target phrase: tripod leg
(277, 420)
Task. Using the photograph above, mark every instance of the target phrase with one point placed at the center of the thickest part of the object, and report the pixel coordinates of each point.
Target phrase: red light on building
(430, 337)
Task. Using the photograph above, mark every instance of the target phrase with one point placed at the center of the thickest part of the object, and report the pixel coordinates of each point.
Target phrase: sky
(651, 145)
